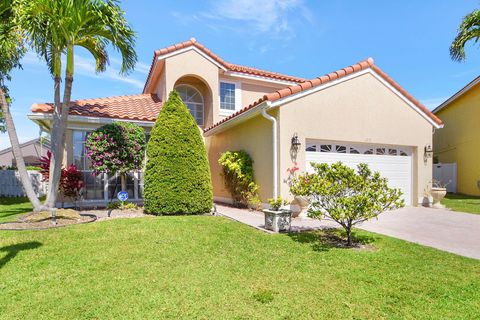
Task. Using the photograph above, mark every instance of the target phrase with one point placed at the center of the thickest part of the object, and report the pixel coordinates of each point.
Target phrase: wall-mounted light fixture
(428, 151)
(296, 141)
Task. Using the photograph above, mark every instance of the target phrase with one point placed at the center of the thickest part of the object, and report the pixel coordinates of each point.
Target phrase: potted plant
(276, 218)
(439, 191)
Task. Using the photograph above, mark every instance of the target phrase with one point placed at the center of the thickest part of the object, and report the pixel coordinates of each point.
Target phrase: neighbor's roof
(46, 144)
(458, 94)
(295, 89)
(229, 66)
(143, 107)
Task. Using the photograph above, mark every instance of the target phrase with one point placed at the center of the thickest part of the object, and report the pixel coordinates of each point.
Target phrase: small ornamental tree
(237, 172)
(117, 147)
(71, 180)
(177, 175)
(345, 195)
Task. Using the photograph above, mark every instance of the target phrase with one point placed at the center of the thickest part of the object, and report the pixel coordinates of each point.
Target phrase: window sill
(227, 112)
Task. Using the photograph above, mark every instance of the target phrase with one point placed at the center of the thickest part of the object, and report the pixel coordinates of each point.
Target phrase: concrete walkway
(446, 230)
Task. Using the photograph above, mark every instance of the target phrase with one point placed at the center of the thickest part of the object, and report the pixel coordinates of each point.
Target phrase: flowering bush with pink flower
(116, 147)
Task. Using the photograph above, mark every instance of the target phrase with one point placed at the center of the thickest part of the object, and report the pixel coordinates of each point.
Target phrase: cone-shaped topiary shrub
(177, 174)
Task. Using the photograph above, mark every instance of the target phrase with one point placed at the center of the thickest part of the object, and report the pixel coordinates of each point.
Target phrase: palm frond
(97, 47)
(469, 30)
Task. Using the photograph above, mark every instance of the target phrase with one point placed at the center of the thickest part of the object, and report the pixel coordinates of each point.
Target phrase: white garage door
(393, 163)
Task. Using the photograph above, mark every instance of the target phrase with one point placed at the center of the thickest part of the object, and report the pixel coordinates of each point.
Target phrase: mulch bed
(47, 224)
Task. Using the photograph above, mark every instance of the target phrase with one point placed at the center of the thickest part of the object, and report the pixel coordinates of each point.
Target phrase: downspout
(275, 147)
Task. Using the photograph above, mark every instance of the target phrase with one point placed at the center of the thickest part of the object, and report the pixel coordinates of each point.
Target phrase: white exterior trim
(259, 78)
(457, 95)
(93, 120)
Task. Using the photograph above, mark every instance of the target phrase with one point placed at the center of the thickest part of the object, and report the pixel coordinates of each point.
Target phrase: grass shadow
(331, 238)
(14, 249)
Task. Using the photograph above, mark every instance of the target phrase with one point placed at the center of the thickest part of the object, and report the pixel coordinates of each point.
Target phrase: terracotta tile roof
(362, 65)
(143, 107)
(229, 66)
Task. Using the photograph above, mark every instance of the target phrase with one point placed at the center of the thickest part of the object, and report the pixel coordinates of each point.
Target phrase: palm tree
(469, 30)
(12, 50)
(53, 28)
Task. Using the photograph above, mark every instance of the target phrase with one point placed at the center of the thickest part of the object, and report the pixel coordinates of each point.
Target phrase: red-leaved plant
(71, 180)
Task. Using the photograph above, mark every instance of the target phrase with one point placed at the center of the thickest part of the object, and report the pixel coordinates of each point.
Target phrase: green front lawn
(199, 267)
(463, 203)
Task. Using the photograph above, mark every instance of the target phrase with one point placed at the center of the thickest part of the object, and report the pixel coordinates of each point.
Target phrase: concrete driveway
(446, 230)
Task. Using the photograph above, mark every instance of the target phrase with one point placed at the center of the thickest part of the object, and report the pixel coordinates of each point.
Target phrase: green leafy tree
(468, 30)
(117, 147)
(54, 28)
(177, 174)
(12, 49)
(345, 195)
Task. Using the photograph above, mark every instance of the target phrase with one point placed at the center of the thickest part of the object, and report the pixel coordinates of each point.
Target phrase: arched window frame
(200, 121)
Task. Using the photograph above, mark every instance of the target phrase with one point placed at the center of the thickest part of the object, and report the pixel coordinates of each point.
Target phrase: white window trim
(238, 98)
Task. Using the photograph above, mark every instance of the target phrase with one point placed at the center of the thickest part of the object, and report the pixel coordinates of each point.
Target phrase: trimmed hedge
(177, 174)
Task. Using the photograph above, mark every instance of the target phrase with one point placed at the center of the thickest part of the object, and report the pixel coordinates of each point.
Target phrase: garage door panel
(397, 169)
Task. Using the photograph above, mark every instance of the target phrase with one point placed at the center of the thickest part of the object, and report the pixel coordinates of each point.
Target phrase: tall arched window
(194, 101)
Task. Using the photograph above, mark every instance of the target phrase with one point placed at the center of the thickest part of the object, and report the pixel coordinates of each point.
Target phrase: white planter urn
(438, 194)
(278, 221)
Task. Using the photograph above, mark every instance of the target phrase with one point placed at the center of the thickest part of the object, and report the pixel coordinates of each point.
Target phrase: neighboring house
(32, 150)
(356, 114)
(459, 141)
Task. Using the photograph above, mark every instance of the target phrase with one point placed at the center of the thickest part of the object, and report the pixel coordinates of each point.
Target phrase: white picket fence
(11, 186)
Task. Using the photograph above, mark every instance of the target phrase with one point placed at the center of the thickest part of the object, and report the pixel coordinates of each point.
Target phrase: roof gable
(458, 94)
(295, 91)
(192, 44)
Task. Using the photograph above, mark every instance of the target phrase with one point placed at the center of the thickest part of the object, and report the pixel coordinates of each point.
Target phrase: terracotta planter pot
(278, 221)
(438, 194)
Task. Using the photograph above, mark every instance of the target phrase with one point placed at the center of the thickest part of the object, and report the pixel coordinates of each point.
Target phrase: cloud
(274, 17)
(86, 67)
(432, 103)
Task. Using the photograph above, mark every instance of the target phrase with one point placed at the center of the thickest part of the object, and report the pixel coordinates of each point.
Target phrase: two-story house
(354, 115)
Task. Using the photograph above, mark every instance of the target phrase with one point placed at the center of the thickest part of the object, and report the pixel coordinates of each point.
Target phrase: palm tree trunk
(60, 120)
(17, 153)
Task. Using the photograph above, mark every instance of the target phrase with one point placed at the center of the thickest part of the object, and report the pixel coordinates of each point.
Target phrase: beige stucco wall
(253, 136)
(459, 142)
(192, 64)
(192, 68)
(357, 110)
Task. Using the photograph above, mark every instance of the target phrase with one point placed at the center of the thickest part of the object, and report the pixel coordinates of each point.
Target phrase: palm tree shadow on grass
(14, 249)
(330, 238)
